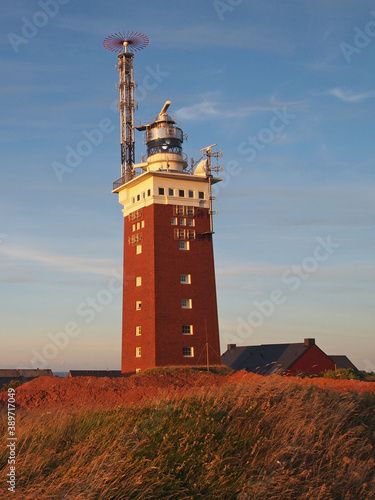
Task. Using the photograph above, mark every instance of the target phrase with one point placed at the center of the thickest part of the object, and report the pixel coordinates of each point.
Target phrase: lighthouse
(169, 293)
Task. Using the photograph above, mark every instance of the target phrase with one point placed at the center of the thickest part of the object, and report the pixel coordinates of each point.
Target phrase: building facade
(169, 291)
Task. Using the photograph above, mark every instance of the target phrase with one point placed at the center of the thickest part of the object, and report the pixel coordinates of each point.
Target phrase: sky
(285, 89)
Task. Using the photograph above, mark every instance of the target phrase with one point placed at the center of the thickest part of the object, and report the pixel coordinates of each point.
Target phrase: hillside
(186, 435)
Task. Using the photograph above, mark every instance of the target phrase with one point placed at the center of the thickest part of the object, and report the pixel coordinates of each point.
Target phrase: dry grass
(263, 439)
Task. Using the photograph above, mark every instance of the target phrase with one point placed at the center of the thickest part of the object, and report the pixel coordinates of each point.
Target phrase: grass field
(268, 438)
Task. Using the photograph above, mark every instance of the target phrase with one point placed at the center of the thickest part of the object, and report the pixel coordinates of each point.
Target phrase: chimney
(230, 347)
(309, 342)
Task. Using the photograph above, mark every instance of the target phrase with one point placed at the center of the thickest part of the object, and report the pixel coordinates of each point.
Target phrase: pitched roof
(343, 362)
(264, 359)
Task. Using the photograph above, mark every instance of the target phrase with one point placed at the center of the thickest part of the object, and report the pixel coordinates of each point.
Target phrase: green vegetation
(269, 438)
(11, 385)
(216, 369)
(343, 374)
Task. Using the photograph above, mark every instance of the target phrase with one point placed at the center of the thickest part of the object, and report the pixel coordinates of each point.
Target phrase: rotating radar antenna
(125, 44)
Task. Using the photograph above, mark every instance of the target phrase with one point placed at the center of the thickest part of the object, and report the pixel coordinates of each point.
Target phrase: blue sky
(286, 91)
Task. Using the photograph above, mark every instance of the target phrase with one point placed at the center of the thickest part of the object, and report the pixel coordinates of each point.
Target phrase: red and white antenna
(125, 44)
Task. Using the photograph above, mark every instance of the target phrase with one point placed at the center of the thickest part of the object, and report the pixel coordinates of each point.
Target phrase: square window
(138, 305)
(161, 190)
(191, 194)
(139, 249)
(185, 279)
(191, 222)
(149, 192)
(187, 329)
(138, 281)
(174, 221)
(188, 352)
(182, 222)
(138, 370)
(138, 331)
(171, 192)
(183, 245)
(137, 352)
(186, 303)
(201, 195)
(181, 192)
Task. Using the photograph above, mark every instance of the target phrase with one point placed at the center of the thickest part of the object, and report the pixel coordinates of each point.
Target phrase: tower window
(138, 226)
(186, 303)
(182, 222)
(138, 197)
(188, 352)
(137, 352)
(191, 194)
(139, 249)
(190, 210)
(183, 245)
(133, 227)
(161, 190)
(171, 192)
(191, 222)
(138, 370)
(144, 194)
(174, 221)
(138, 331)
(185, 279)
(143, 223)
(181, 192)
(133, 199)
(138, 305)
(149, 192)
(187, 329)
(201, 195)
(138, 281)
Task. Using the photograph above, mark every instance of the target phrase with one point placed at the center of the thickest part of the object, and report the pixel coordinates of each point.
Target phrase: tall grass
(266, 439)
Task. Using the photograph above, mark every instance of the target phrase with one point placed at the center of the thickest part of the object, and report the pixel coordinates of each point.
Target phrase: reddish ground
(53, 392)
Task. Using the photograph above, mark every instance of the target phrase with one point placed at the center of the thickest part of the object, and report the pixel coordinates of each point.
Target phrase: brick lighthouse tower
(169, 292)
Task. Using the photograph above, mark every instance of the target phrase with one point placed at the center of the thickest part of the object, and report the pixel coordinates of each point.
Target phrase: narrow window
(138, 226)
(138, 305)
(185, 279)
(161, 190)
(138, 281)
(133, 227)
(138, 197)
(138, 331)
(139, 249)
(186, 303)
(133, 199)
(143, 223)
(137, 352)
(149, 192)
(144, 194)
(171, 192)
(187, 329)
(191, 194)
(188, 352)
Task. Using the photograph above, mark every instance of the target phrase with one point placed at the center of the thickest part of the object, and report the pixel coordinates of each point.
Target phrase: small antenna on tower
(125, 44)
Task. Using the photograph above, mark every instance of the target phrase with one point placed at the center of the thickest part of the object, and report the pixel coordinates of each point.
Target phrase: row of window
(182, 193)
(185, 279)
(187, 352)
(182, 245)
(182, 221)
(137, 226)
(186, 330)
(185, 304)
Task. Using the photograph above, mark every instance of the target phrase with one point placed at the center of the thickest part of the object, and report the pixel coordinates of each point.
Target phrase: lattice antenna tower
(125, 44)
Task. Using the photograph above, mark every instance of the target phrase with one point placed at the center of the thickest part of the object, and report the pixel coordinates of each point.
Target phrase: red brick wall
(162, 317)
(313, 361)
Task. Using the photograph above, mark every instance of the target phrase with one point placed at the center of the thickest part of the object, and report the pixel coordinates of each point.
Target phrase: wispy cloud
(62, 263)
(347, 95)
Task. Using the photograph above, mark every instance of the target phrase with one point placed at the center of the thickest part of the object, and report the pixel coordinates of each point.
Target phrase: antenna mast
(125, 43)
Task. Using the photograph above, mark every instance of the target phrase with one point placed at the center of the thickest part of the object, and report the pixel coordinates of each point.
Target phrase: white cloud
(346, 95)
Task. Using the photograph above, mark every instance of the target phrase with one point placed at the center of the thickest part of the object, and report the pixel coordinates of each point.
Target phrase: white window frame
(186, 304)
